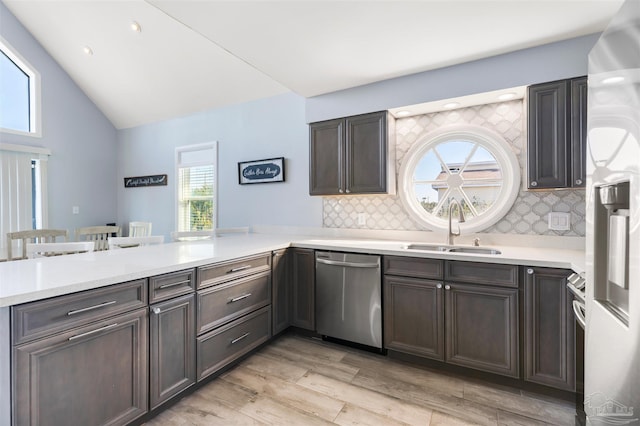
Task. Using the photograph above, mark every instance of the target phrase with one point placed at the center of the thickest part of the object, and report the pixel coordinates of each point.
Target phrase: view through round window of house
(469, 164)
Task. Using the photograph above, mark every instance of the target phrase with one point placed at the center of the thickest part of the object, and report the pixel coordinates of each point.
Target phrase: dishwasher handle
(347, 264)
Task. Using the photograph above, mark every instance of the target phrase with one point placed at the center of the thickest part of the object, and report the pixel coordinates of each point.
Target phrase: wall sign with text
(261, 171)
(139, 181)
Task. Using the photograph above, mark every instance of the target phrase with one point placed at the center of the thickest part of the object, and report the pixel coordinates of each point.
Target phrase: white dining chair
(32, 236)
(139, 229)
(98, 234)
(35, 250)
(125, 242)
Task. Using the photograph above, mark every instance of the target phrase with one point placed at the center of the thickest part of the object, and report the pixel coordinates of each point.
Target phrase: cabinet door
(281, 292)
(366, 153)
(303, 289)
(578, 132)
(413, 316)
(326, 157)
(172, 354)
(92, 375)
(481, 328)
(549, 355)
(548, 135)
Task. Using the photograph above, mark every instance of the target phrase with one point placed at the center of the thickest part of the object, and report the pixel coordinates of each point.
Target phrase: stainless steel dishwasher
(348, 301)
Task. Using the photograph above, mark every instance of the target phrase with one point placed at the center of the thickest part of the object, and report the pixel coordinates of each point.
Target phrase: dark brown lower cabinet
(281, 290)
(549, 329)
(172, 353)
(481, 327)
(303, 289)
(95, 374)
(414, 316)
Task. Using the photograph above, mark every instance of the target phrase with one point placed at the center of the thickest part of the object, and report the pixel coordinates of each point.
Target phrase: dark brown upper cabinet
(557, 131)
(352, 155)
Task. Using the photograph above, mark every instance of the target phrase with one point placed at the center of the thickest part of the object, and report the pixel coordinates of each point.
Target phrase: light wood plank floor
(301, 381)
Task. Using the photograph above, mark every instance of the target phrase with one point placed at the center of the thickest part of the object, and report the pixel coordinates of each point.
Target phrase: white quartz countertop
(35, 279)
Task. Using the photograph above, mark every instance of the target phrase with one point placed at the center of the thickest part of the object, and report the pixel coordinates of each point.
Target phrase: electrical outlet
(559, 221)
(75, 210)
(362, 219)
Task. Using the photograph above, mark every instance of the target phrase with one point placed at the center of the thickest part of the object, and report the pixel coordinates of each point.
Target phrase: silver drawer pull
(237, 339)
(579, 311)
(239, 268)
(175, 284)
(235, 299)
(90, 308)
(156, 311)
(89, 333)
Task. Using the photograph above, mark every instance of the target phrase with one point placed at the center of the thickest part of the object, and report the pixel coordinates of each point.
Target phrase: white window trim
(197, 147)
(487, 139)
(35, 106)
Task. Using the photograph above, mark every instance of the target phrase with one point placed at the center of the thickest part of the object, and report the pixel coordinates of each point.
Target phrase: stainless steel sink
(452, 249)
(426, 247)
(476, 250)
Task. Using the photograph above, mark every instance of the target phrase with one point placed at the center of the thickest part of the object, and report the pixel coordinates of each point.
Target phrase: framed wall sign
(139, 181)
(261, 171)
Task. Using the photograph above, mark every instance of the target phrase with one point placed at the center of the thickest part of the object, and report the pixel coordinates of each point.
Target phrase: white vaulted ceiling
(196, 55)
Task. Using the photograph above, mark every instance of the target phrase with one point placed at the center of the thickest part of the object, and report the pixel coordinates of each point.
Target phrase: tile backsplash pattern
(529, 212)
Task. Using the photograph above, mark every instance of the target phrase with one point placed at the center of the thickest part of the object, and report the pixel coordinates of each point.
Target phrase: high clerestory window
(470, 164)
(19, 93)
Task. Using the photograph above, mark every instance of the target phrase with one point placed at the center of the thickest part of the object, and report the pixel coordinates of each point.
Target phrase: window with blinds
(196, 187)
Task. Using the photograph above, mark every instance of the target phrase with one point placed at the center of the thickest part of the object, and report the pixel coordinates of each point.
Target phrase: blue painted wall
(83, 142)
(553, 61)
(266, 128)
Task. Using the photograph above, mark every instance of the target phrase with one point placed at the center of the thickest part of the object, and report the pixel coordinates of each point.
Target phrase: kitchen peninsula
(193, 267)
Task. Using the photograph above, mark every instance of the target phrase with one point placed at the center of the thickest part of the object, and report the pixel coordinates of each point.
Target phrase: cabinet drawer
(162, 287)
(223, 303)
(482, 273)
(226, 271)
(413, 267)
(225, 344)
(47, 317)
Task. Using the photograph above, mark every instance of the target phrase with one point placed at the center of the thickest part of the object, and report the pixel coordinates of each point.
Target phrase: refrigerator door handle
(578, 310)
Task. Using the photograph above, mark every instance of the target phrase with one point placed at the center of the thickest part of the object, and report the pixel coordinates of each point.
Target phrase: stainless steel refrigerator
(612, 332)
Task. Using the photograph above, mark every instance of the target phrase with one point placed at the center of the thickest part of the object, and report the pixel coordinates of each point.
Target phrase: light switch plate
(559, 221)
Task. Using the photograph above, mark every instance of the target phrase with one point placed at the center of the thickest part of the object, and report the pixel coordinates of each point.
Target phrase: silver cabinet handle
(578, 310)
(347, 264)
(438, 285)
(530, 271)
(340, 190)
(239, 268)
(534, 183)
(235, 299)
(347, 191)
(447, 287)
(156, 311)
(91, 308)
(578, 181)
(175, 284)
(237, 339)
(89, 333)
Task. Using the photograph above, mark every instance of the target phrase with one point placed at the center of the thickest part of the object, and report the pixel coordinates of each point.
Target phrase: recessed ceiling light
(135, 26)
(613, 80)
(87, 50)
(403, 113)
(507, 96)
(451, 105)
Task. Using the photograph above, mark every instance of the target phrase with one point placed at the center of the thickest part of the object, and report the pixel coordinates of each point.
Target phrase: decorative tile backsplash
(528, 214)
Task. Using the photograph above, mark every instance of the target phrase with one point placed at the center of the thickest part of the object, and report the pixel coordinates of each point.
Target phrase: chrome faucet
(452, 203)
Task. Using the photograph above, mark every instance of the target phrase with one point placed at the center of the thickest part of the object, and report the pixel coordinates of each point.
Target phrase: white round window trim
(488, 139)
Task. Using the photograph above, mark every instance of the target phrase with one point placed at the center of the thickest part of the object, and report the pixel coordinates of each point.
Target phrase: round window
(470, 164)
